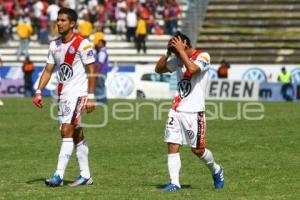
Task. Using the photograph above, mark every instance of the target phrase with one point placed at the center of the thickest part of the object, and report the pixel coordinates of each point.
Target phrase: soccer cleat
(81, 181)
(219, 179)
(54, 181)
(170, 187)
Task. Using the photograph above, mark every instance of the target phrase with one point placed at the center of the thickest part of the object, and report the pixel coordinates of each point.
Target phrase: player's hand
(178, 44)
(37, 100)
(90, 105)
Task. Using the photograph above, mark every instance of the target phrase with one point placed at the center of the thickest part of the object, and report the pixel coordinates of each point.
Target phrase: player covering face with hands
(73, 57)
(186, 119)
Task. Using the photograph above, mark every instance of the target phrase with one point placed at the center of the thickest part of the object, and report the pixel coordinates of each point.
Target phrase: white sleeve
(101, 57)
(173, 63)
(203, 61)
(86, 52)
(50, 57)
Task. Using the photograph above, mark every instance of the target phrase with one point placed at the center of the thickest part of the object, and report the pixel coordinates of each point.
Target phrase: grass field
(128, 157)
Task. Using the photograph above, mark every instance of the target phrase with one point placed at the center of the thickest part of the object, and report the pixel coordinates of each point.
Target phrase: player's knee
(173, 148)
(66, 131)
(198, 152)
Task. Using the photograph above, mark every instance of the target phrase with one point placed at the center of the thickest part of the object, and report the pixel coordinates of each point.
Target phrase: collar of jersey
(75, 34)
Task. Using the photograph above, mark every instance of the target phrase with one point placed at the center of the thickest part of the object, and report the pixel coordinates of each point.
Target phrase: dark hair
(72, 15)
(103, 42)
(183, 38)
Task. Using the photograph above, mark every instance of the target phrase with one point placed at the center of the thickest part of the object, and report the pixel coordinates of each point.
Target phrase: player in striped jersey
(74, 58)
(186, 120)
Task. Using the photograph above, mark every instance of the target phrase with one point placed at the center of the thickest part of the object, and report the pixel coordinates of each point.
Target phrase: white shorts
(121, 26)
(70, 110)
(186, 128)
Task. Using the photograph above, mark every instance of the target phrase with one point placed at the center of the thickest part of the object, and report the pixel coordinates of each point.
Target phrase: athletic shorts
(186, 128)
(70, 110)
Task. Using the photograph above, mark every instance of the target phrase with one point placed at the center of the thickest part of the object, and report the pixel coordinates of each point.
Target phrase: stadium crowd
(107, 16)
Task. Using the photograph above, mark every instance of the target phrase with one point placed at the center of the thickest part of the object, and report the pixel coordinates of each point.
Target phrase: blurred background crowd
(121, 17)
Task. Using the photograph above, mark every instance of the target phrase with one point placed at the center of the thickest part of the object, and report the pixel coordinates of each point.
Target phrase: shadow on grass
(185, 186)
(42, 180)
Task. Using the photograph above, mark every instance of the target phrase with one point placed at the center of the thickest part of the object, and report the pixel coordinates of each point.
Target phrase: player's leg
(66, 149)
(199, 149)
(216, 169)
(82, 152)
(69, 112)
(174, 164)
(174, 140)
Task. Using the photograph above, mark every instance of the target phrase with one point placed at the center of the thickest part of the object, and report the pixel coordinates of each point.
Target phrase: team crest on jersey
(184, 87)
(65, 72)
(71, 50)
(90, 53)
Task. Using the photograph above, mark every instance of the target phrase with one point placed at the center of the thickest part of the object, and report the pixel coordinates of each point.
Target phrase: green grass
(128, 158)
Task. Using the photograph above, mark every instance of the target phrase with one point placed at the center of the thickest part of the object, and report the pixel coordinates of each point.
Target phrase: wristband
(91, 96)
(38, 91)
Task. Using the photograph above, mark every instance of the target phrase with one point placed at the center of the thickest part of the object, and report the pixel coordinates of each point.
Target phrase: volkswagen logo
(190, 133)
(255, 74)
(121, 85)
(184, 88)
(296, 75)
(65, 72)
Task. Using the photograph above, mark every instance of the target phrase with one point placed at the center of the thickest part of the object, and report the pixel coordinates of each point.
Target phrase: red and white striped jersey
(70, 58)
(190, 94)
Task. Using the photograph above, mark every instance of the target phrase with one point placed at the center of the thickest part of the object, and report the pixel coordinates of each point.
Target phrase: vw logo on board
(296, 75)
(121, 85)
(255, 74)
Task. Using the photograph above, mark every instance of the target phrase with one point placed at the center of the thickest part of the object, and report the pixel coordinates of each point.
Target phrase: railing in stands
(194, 18)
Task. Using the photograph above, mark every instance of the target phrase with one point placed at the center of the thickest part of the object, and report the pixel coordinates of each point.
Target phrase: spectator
(223, 69)
(102, 63)
(44, 32)
(85, 27)
(284, 76)
(1, 64)
(174, 16)
(101, 16)
(24, 31)
(157, 30)
(93, 10)
(121, 17)
(111, 16)
(38, 8)
(131, 23)
(52, 11)
(4, 26)
(286, 79)
(28, 68)
(167, 18)
(141, 34)
(99, 35)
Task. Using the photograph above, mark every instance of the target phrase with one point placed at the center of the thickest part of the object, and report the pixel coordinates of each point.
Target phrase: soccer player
(74, 58)
(186, 119)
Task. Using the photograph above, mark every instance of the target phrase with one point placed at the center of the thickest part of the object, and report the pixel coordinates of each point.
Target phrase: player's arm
(180, 46)
(161, 65)
(91, 72)
(46, 75)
